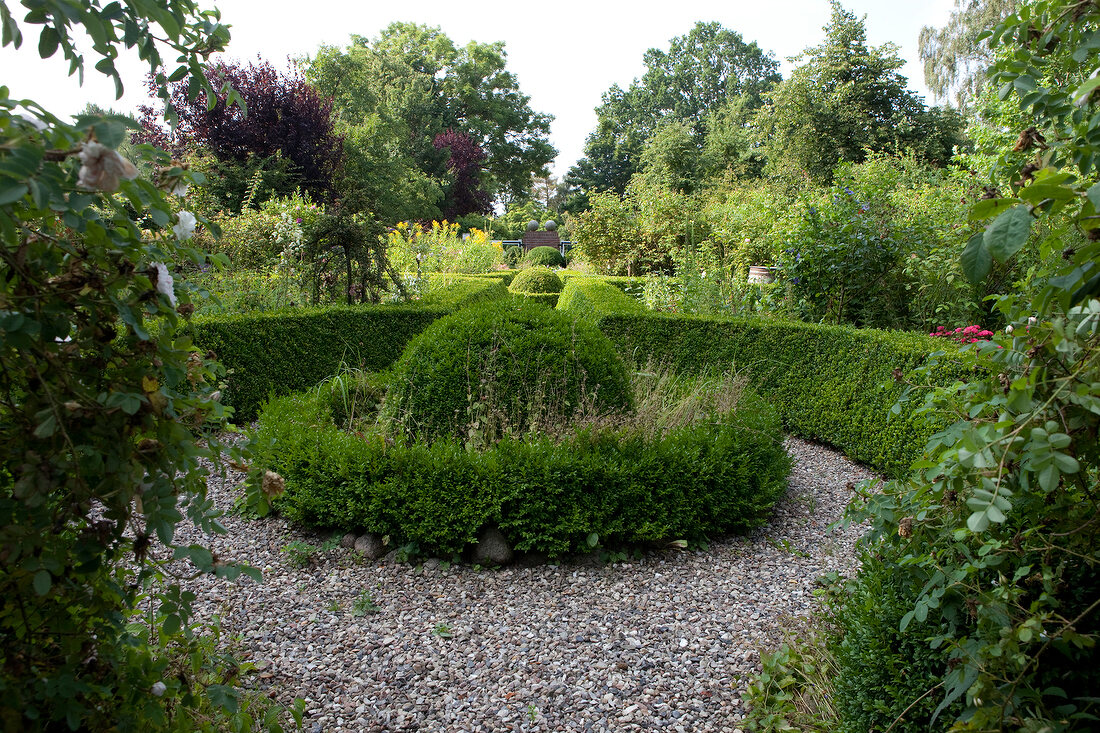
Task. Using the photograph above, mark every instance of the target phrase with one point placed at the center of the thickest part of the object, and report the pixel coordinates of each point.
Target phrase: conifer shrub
(519, 363)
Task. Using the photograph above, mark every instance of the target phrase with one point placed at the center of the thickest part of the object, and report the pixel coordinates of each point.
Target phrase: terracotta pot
(758, 274)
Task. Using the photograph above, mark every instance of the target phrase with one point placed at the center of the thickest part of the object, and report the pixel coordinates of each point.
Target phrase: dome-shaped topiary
(545, 256)
(494, 369)
(537, 279)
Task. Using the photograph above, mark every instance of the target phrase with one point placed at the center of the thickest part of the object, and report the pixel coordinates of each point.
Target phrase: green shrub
(550, 300)
(513, 255)
(605, 486)
(536, 280)
(545, 256)
(288, 351)
(593, 298)
(507, 359)
(451, 293)
(882, 673)
(830, 383)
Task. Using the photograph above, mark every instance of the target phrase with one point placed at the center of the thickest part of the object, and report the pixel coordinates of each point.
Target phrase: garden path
(664, 643)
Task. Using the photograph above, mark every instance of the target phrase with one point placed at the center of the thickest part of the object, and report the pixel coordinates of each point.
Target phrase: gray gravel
(664, 643)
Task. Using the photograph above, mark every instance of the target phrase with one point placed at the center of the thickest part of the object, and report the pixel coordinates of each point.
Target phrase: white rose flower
(181, 187)
(101, 168)
(186, 226)
(164, 282)
(158, 689)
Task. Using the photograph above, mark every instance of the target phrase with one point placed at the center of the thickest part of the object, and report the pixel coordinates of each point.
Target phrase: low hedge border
(281, 352)
(833, 384)
(550, 300)
(716, 477)
(591, 299)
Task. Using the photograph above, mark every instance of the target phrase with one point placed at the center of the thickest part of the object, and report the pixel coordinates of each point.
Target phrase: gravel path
(664, 643)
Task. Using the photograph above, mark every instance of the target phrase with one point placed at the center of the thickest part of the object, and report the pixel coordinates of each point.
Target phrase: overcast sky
(565, 54)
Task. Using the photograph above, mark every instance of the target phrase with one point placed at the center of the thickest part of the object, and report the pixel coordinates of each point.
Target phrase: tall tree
(420, 84)
(702, 70)
(847, 100)
(955, 61)
(286, 118)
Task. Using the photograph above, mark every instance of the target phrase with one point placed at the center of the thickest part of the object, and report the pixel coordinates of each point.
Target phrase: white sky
(565, 54)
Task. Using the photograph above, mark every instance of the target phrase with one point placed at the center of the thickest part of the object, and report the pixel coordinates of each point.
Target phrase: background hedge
(288, 351)
(834, 384)
(719, 476)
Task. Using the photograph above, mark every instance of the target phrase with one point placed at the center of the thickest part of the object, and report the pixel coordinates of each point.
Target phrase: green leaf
(11, 33)
(1094, 195)
(43, 581)
(48, 41)
(976, 259)
(11, 192)
(47, 427)
(988, 208)
(171, 624)
(978, 522)
(1008, 233)
(1086, 89)
(593, 539)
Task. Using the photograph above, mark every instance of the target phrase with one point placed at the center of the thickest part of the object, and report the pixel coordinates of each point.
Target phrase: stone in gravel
(348, 540)
(492, 548)
(370, 545)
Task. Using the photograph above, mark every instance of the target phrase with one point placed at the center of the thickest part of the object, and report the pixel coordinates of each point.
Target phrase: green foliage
(440, 248)
(640, 232)
(702, 70)
(829, 383)
(412, 83)
(223, 292)
(513, 255)
(877, 249)
(997, 528)
(108, 414)
(288, 351)
(884, 677)
(720, 475)
(536, 280)
(955, 57)
(266, 235)
(847, 100)
(544, 257)
(590, 299)
(522, 361)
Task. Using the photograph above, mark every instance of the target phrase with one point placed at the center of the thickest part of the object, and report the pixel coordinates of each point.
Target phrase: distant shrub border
(830, 383)
(281, 352)
(716, 477)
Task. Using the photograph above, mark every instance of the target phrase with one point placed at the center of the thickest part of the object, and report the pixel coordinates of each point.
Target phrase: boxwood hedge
(721, 475)
(281, 352)
(834, 384)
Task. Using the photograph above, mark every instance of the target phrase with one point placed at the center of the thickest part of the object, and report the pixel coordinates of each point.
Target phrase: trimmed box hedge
(280, 352)
(720, 475)
(833, 384)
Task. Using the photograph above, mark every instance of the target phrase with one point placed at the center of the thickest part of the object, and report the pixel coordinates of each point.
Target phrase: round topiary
(545, 256)
(493, 369)
(537, 280)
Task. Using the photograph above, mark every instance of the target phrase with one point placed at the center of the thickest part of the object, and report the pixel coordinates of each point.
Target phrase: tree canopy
(954, 59)
(412, 84)
(847, 100)
(703, 70)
